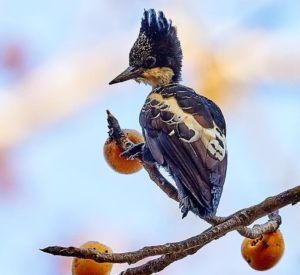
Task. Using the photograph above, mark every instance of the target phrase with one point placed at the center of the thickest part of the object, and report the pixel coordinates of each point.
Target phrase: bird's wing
(185, 133)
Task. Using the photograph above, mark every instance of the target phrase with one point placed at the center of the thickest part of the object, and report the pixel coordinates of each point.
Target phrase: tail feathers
(188, 203)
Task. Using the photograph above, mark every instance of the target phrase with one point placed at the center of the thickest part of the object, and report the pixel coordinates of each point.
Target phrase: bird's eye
(150, 61)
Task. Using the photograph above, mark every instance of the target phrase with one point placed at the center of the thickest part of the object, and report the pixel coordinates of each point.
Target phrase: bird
(184, 132)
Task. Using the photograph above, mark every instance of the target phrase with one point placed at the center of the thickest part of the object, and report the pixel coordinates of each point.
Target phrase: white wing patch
(172, 133)
(212, 138)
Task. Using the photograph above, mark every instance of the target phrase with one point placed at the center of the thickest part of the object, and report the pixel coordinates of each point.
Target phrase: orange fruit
(112, 153)
(263, 252)
(90, 267)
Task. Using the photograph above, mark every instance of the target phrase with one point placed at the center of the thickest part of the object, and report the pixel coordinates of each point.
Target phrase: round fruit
(112, 153)
(90, 267)
(265, 251)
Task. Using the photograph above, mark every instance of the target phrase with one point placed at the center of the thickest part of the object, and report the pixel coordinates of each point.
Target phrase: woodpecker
(184, 132)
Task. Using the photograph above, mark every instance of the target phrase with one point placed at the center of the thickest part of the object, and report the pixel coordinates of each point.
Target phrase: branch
(189, 246)
(259, 229)
(170, 252)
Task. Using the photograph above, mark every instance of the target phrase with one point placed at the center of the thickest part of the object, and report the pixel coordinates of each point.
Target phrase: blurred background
(56, 59)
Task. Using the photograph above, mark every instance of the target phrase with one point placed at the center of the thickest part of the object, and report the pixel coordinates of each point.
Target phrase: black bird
(184, 132)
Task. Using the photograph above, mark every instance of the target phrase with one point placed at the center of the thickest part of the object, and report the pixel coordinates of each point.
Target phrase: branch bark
(170, 252)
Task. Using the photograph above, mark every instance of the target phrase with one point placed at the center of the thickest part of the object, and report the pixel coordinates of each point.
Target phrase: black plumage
(184, 132)
(157, 40)
(197, 171)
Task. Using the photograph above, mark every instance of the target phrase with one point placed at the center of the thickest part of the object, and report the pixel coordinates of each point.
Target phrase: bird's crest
(157, 38)
(154, 25)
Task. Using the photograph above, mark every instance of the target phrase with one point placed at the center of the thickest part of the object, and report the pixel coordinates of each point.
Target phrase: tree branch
(171, 252)
(189, 246)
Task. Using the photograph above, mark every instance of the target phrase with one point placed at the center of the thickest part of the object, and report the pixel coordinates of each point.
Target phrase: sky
(55, 186)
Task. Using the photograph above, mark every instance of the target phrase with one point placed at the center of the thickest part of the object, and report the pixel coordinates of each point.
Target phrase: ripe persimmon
(112, 153)
(90, 267)
(263, 252)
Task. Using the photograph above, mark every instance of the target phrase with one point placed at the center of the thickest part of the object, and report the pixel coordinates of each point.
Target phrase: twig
(259, 229)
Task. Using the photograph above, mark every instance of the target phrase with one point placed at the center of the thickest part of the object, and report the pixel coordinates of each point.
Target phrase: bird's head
(156, 57)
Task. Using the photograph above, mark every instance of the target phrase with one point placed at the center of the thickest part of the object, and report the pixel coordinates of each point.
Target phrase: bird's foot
(133, 152)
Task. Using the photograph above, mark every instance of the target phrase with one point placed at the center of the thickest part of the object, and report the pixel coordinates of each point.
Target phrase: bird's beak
(130, 73)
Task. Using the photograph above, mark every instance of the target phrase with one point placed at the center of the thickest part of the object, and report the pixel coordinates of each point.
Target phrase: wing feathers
(169, 118)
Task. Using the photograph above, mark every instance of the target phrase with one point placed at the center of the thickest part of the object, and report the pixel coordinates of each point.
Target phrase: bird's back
(186, 134)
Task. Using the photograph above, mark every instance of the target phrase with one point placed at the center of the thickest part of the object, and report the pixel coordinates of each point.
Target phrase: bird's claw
(133, 152)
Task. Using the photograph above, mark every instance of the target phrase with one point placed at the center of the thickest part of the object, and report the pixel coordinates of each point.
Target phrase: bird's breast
(175, 119)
